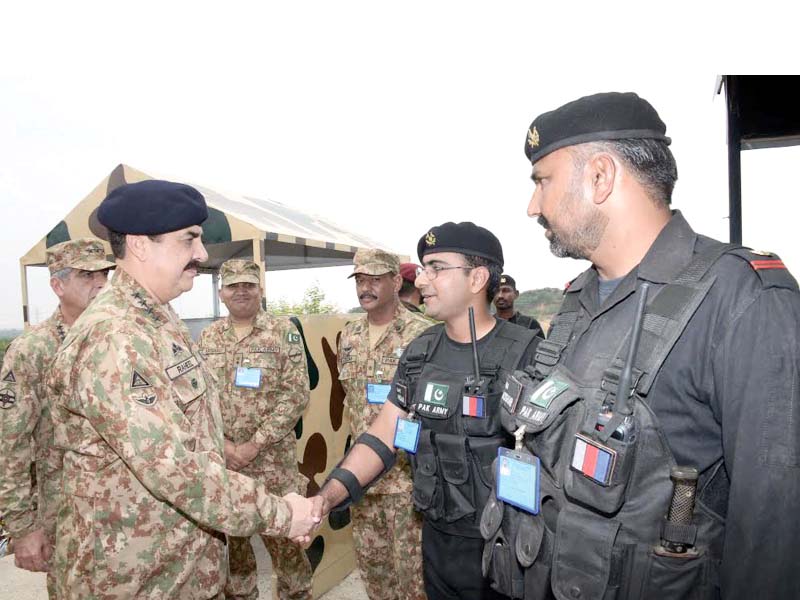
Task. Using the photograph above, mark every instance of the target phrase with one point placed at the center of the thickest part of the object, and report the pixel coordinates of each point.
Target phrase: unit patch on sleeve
(9, 378)
(137, 381)
(7, 398)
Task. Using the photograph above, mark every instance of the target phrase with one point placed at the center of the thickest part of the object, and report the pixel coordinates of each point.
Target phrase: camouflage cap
(239, 270)
(86, 254)
(374, 261)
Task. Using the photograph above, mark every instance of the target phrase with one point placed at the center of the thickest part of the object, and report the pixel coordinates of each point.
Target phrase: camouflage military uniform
(25, 425)
(265, 415)
(145, 484)
(386, 529)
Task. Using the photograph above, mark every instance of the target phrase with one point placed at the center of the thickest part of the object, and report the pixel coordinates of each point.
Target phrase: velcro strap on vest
(378, 447)
(350, 482)
(678, 533)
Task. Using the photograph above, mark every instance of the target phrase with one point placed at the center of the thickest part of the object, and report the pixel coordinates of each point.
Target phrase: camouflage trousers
(387, 533)
(289, 563)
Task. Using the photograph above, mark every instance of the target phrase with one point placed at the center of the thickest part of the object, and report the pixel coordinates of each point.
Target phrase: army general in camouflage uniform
(386, 529)
(78, 271)
(146, 491)
(263, 380)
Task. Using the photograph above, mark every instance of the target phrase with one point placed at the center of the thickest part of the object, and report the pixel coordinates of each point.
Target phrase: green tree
(313, 303)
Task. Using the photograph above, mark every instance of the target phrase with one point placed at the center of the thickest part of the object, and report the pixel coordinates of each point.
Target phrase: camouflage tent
(274, 235)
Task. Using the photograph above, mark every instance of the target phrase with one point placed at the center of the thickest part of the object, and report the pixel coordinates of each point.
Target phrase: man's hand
(306, 514)
(32, 552)
(245, 453)
(231, 459)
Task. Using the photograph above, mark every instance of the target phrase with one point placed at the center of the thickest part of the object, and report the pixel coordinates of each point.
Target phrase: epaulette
(769, 268)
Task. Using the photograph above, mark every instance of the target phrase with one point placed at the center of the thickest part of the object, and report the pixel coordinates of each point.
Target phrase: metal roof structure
(276, 236)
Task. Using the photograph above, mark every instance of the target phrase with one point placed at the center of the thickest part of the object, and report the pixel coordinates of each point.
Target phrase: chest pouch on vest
(599, 470)
(459, 495)
(551, 411)
(427, 494)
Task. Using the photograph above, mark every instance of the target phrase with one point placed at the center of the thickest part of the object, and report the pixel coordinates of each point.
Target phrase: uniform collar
(61, 328)
(401, 316)
(140, 299)
(669, 254)
(260, 322)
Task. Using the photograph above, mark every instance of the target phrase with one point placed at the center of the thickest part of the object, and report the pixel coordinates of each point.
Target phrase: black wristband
(349, 481)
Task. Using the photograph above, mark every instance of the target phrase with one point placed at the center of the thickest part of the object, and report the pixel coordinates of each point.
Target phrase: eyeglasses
(432, 271)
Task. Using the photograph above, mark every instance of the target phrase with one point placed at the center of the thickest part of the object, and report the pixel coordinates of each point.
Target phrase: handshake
(307, 514)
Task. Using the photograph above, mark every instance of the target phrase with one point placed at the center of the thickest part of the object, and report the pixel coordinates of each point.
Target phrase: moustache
(543, 222)
(366, 295)
(192, 265)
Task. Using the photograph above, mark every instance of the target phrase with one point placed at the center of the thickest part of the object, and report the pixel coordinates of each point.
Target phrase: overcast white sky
(385, 117)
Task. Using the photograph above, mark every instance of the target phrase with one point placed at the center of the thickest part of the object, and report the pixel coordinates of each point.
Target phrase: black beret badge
(430, 239)
(533, 137)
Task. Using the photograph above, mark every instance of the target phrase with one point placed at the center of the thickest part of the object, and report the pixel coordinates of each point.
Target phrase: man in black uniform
(504, 299)
(446, 419)
(713, 385)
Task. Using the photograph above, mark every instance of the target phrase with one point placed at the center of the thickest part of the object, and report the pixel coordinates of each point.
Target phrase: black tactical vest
(595, 540)
(452, 465)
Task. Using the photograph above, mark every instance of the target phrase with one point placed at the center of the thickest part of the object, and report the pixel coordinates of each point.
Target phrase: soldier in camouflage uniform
(386, 528)
(78, 271)
(146, 491)
(263, 380)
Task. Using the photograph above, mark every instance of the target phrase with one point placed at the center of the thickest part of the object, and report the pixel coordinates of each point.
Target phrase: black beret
(508, 280)
(152, 207)
(608, 116)
(464, 238)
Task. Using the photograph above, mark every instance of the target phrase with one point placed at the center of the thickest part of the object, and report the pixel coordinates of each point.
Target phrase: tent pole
(258, 258)
(214, 294)
(23, 273)
(734, 161)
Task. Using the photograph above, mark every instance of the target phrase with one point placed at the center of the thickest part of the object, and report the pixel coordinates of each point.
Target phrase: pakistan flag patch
(436, 393)
(293, 338)
(549, 389)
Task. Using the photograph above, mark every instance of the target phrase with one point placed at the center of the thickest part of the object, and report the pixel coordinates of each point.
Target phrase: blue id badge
(249, 377)
(377, 393)
(518, 479)
(406, 435)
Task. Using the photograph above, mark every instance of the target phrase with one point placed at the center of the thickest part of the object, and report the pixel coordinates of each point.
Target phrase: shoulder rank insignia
(10, 377)
(137, 381)
(176, 349)
(7, 398)
(767, 263)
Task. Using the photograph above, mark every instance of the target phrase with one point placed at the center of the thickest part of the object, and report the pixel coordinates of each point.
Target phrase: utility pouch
(681, 577)
(551, 413)
(583, 554)
(599, 472)
(459, 498)
(499, 562)
(427, 494)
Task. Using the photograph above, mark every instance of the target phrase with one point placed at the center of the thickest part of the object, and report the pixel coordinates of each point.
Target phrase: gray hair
(62, 274)
(650, 161)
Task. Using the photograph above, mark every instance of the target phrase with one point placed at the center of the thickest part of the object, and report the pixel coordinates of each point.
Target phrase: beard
(588, 224)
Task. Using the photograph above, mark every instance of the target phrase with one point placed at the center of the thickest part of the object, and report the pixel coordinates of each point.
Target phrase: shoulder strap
(549, 351)
(666, 316)
(507, 356)
(769, 267)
